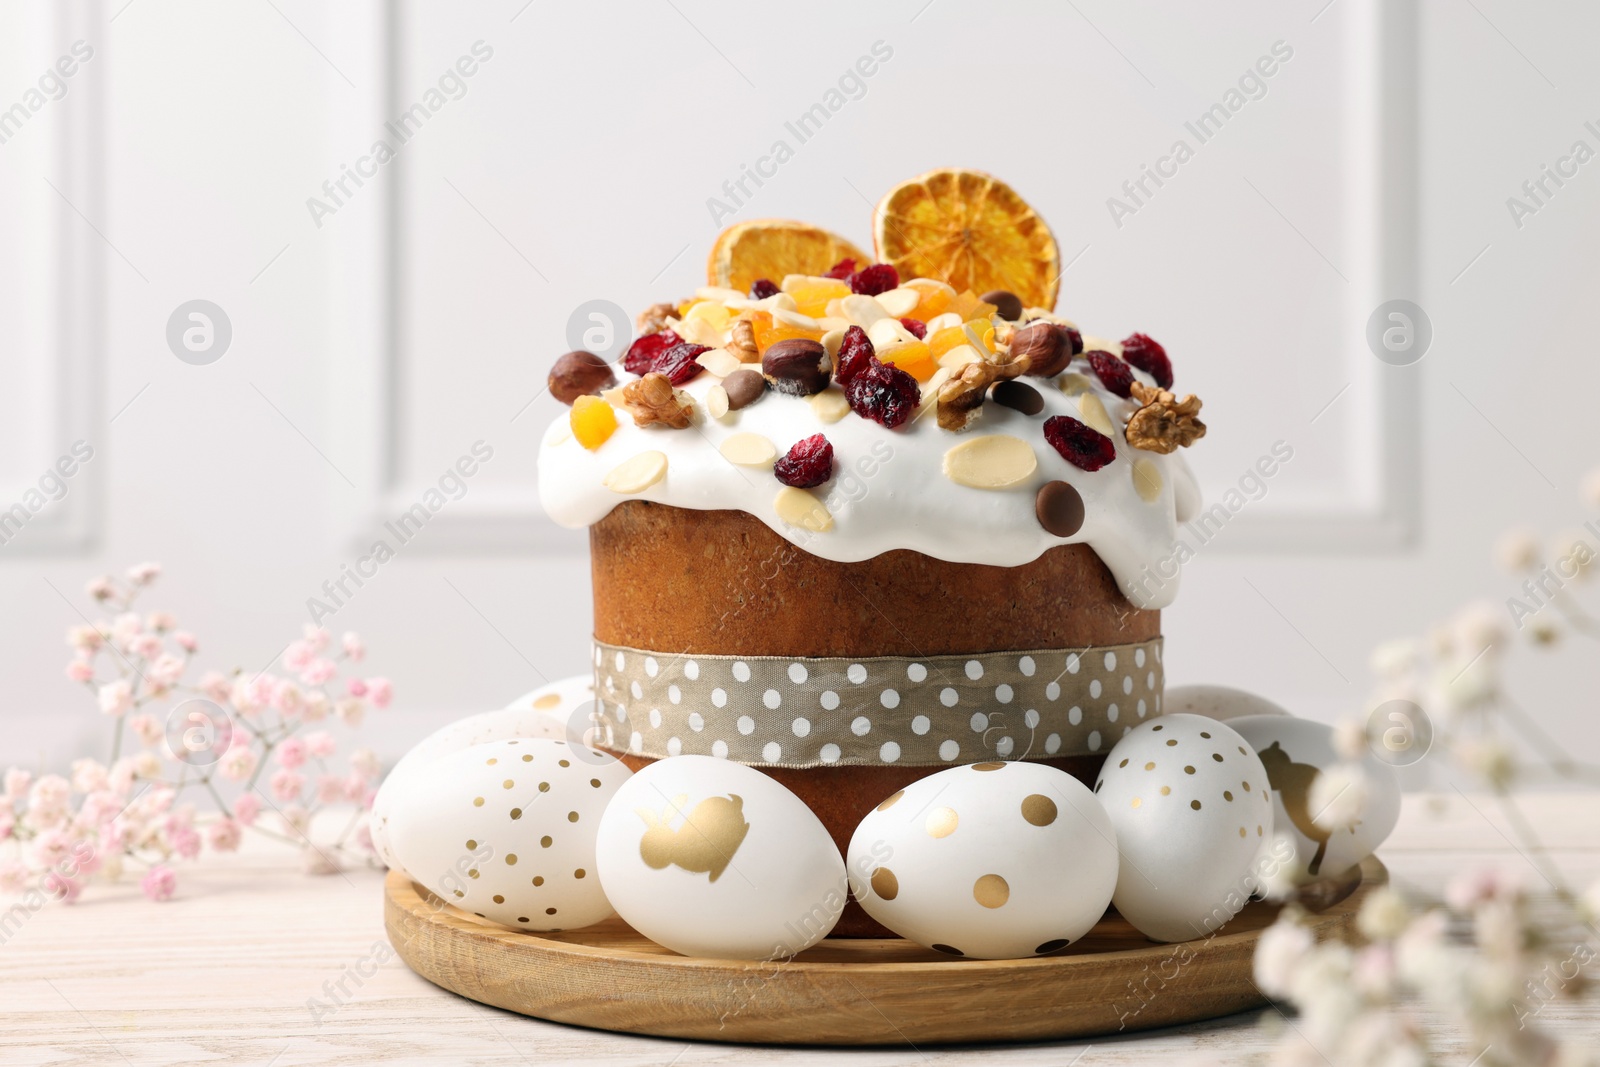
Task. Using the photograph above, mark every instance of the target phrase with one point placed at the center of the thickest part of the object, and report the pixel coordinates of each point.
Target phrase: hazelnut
(1047, 347)
(797, 366)
(744, 387)
(579, 374)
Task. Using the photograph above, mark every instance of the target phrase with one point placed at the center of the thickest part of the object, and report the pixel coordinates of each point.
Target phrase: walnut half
(653, 319)
(1163, 423)
(652, 400)
(962, 396)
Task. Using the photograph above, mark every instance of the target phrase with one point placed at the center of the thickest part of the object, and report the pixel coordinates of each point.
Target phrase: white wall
(371, 351)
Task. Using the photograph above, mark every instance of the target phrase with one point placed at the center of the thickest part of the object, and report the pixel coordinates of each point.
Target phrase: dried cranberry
(879, 278)
(678, 364)
(854, 355)
(917, 328)
(762, 288)
(1074, 339)
(1144, 352)
(841, 270)
(808, 464)
(1080, 445)
(642, 353)
(1116, 375)
(883, 393)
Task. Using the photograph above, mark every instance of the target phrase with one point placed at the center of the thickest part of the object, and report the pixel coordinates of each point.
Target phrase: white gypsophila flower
(1489, 759)
(1480, 626)
(1468, 686)
(1499, 931)
(1280, 950)
(1350, 739)
(1338, 796)
(1517, 550)
(1394, 658)
(1428, 964)
(1384, 915)
(1280, 879)
(1374, 974)
(1322, 988)
(1544, 630)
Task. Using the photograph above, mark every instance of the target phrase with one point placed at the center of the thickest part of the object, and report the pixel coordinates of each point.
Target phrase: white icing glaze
(888, 489)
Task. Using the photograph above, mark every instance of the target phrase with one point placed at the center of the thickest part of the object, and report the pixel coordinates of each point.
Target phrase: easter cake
(855, 522)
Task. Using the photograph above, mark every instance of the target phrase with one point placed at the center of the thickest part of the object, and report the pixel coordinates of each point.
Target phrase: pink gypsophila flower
(286, 785)
(116, 697)
(246, 809)
(80, 670)
(185, 841)
(186, 641)
(292, 753)
(321, 744)
(354, 647)
(224, 835)
(159, 883)
(380, 691)
(356, 687)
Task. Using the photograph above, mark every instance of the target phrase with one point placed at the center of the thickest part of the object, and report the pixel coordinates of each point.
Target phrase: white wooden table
(256, 963)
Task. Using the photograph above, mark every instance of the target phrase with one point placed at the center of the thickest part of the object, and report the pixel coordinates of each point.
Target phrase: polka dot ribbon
(776, 711)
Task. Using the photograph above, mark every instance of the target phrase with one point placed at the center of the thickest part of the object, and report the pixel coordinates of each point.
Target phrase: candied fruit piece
(643, 352)
(762, 288)
(874, 280)
(841, 270)
(886, 395)
(678, 362)
(812, 299)
(855, 355)
(916, 327)
(913, 358)
(1144, 352)
(807, 465)
(593, 421)
(772, 333)
(1080, 445)
(970, 307)
(1114, 374)
(712, 312)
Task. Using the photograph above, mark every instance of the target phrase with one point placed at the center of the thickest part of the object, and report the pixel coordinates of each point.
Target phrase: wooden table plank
(255, 962)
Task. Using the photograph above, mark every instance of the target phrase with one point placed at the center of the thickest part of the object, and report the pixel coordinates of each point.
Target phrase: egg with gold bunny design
(715, 859)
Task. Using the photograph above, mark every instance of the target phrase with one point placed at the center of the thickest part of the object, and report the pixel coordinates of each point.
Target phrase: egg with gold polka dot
(995, 860)
(559, 709)
(506, 831)
(715, 859)
(1192, 807)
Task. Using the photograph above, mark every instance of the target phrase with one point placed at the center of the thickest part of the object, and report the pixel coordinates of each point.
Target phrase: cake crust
(723, 583)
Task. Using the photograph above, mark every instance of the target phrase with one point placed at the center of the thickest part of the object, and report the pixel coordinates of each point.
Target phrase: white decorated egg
(558, 710)
(1191, 807)
(993, 860)
(715, 859)
(1221, 702)
(1296, 752)
(506, 830)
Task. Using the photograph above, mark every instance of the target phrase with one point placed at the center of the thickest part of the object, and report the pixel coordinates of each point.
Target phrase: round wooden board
(846, 992)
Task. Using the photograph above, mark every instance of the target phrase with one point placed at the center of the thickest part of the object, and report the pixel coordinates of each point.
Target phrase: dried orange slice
(773, 249)
(970, 230)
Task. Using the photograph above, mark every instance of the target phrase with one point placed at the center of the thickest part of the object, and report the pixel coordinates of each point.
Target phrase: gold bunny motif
(1292, 781)
(706, 841)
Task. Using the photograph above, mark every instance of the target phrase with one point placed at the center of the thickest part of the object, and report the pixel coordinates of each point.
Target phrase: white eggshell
(994, 860)
(558, 710)
(1191, 806)
(1294, 752)
(1220, 702)
(715, 859)
(507, 830)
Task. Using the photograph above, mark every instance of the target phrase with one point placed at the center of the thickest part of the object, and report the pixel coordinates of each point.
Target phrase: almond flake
(1147, 480)
(716, 401)
(830, 343)
(749, 450)
(930, 390)
(637, 474)
(830, 405)
(719, 294)
(1075, 384)
(719, 361)
(942, 322)
(998, 461)
(887, 333)
(1102, 344)
(799, 508)
(1094, 414)
(795, 319)
(861, 310)
(900, 302)
(700, 331)
(959, 357)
